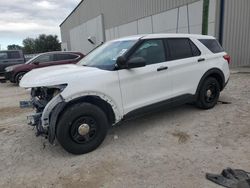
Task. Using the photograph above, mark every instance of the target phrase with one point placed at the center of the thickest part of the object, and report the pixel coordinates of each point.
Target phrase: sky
(20, 19)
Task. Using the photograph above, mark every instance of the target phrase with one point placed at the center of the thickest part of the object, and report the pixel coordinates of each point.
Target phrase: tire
(77, 140)
(208, 94)
(19, 76)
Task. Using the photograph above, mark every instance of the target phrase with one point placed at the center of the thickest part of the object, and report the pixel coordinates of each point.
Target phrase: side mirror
(121, 62)
(36, 63)
(136, 62)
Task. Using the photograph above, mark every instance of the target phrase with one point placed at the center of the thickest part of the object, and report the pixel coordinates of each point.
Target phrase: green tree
(47, 43)
(29, 46)
(44, 43)
(14, 47)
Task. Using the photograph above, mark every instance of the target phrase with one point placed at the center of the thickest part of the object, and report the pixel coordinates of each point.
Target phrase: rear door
(147, 85)
(185, 63)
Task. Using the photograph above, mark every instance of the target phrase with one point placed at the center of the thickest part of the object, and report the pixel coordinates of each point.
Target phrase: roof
(164, 35)
(177, 35)
(51, 52)
(71, 12)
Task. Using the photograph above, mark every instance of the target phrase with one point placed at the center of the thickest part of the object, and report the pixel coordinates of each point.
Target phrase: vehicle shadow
(133, 127)
(7, 83)
(161, 117)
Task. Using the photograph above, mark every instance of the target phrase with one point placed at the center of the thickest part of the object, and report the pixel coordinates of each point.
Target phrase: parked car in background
(16, 72)
(9, 58)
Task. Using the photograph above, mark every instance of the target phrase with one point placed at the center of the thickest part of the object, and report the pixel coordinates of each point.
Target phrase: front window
(44, 58)
(152, 51)
(105, 56)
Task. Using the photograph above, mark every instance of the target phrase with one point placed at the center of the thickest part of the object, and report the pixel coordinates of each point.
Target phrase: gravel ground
(172, 148)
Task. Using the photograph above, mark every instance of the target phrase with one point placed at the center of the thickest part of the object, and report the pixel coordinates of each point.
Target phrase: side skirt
(176, 101)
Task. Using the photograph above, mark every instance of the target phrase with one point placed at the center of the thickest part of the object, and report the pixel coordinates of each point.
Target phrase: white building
(102, 20)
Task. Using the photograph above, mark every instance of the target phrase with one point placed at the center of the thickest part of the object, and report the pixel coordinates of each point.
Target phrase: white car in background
(76, 104)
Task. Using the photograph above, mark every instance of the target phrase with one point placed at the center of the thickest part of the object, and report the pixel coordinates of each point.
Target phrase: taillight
(227, 58)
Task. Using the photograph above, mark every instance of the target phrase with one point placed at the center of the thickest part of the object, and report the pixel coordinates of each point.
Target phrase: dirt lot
(172, 149)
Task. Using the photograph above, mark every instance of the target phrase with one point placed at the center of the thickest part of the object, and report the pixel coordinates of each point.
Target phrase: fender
(213, 71)
(57, 109)
(53, 120)
(118, 115)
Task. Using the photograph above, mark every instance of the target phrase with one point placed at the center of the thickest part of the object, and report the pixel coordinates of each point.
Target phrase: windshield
(30, 61)
(105, 56)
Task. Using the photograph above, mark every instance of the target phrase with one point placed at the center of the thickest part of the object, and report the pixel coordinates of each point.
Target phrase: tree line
(43, 43)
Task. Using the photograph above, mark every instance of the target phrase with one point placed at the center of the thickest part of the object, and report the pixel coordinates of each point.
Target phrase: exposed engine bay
(47, 103)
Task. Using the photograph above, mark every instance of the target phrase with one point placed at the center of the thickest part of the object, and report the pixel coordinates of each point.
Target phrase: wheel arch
(17, 73)
(99, 99)
(217, 74)
(95, 100)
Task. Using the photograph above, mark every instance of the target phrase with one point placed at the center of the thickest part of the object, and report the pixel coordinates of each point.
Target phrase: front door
(147, 85)
(43, 60)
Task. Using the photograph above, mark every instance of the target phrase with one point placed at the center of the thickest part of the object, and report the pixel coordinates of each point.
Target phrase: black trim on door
(169, 103)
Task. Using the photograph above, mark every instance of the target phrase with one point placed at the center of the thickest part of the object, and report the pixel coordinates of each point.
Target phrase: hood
(55, 75)
(14, 66)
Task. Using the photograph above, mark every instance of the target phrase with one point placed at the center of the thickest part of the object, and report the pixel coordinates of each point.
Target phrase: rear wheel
(82, 128)
(19, 77)
(209, 93)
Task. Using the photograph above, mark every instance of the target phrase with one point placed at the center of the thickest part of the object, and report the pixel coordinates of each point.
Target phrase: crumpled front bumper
(44, 120)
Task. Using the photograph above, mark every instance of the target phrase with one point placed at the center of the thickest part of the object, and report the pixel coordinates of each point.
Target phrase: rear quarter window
(212, 44)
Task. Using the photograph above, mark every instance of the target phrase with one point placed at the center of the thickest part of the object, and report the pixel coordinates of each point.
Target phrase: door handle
(162, 68)
(201, 59)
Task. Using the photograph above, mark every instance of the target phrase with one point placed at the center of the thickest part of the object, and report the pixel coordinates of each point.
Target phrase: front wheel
(19, 77)
(82, 128)
(209, 93)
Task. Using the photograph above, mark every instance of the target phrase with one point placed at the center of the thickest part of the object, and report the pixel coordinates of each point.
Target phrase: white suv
(122, 78)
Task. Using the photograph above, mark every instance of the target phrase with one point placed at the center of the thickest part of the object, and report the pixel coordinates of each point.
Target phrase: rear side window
(14, 55)
(180, 48)
(61, 57)
(212, 44)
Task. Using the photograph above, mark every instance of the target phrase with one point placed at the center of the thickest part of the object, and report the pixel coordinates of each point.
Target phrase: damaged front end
(48, 103)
